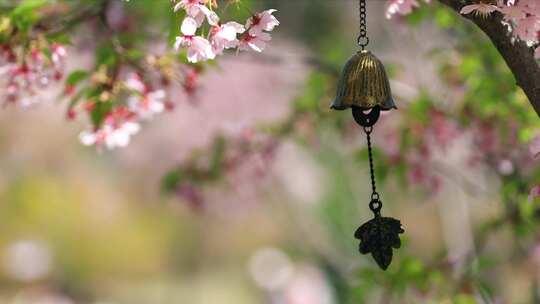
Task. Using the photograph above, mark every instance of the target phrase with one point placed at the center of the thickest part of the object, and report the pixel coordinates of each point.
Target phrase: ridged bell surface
(363, 84)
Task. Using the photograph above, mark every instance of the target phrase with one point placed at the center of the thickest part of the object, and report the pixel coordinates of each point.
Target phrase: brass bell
(364, 86)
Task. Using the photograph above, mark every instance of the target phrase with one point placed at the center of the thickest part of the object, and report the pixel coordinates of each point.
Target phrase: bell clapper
(366, 119)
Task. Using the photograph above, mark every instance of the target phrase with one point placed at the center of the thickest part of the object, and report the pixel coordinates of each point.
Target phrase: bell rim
(340, 106)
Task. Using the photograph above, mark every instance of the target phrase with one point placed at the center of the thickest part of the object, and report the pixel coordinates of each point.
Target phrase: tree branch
(517, 55)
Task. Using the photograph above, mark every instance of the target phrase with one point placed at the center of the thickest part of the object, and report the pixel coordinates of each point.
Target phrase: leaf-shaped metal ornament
(378, 237)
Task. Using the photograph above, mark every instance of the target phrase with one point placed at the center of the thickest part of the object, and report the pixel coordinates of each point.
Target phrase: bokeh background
(130, 227)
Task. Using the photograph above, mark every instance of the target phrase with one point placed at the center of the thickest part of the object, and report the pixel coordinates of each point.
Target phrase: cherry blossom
(134, 83)
(59, 52)
(527, 28)
(148, 104)
(111, 137)
(402, 7)
(512, 11)
(225, 36)
(198, 48)
(254, 42)
(480, 9)
(257, 35)
(531, 6)
(190, 6)
(198, 11)
(262, 22)
(522, 17)
(144, 102)
(222, 36)
(115, 132)
(191, 77)
(534, 147)
(535, 192)
(505, 167)
(28, 71)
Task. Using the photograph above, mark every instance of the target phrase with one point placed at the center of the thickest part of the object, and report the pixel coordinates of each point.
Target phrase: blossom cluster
(534, 150)
(522, 16)
(430, 154)
(28, 71)
(401, 7)
(123, 121)
(240, 157)
(254, 35)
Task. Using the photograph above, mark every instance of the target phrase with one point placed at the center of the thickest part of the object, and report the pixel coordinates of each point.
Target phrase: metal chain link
(363, 39)
(375, 205)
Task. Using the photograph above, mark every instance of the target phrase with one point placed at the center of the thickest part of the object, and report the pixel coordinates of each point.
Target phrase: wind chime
(364, 88)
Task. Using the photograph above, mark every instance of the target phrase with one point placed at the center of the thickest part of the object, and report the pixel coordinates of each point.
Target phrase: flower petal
(189, 26)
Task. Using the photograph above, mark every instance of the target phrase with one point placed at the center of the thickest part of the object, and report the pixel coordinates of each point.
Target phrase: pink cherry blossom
(254, 42)
(147, 105)
(94, 137)
(110, 136)
(264, 21)
(537, 53)
(134, 83)
(505, 167)
(416, 174)
(198, 48)
(512, 11)
(480, 9)
(531, 6)
(402, 7)
(121, 135)
(192, 195)
(27, 72)
(224, 36)
(115, 131)
(198, 11)
(58, 53)
(443, 130)
(204, 12)
(144, 103)
(527, 28)
(534, 147)
(191, 81)
(535, 192)
(188, 4)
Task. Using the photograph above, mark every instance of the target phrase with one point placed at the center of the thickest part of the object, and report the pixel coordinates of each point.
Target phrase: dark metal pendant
(379, 235)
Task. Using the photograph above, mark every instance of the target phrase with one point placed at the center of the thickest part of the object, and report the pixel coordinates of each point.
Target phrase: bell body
(363, 84)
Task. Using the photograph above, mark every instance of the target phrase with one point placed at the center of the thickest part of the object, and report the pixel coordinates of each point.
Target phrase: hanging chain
(363, 39)
(375, 204)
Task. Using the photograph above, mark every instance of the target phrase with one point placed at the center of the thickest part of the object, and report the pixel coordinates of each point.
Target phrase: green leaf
(76, 76)
(106, 55)
(315, 90)
(218, 154)
(171, 180)
(99, 112)
(25, 14)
